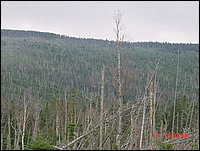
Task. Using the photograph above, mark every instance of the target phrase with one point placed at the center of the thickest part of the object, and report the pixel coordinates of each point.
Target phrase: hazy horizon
(102, 39)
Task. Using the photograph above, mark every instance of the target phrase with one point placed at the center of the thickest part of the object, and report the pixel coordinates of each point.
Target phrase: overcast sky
(144, 21)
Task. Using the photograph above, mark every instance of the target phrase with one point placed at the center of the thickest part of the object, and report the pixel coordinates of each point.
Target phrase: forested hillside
(52, 64)
(51, 93)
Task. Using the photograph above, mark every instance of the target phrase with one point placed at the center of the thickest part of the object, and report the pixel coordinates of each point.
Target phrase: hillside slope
(51, 64)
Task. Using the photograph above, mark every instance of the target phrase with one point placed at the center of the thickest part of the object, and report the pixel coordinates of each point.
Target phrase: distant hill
(173, 47)
(51, 64)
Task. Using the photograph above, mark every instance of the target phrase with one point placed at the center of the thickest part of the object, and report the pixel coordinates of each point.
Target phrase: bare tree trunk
(65, 129)
(101, 110)
(143, 118)
(151, 112)
(181, 120)
(132, 129)
(35, 129)
(15, 137)
(57, 122)
(174, 111)
(197, 124)
(187, 119)
(177, 122)
(75, 122)
(161, 128)
(119, 38)
(19, 131)
(9, 134)
(191, 116)
(133, 126)
(154, 105)
(24, 121)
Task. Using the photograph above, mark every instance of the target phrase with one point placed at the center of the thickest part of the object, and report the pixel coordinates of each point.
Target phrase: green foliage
(71, 128)
(182, 104)
(41, 143)
(164, 146)
(194, 146)
(115, 147)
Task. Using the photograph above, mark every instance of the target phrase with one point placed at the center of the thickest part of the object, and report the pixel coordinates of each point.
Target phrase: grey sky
(144, 21)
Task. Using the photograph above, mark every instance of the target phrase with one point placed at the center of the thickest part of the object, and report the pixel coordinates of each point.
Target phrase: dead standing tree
(175, 93)
(25, 117)
(119, 40)
(101, 109)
